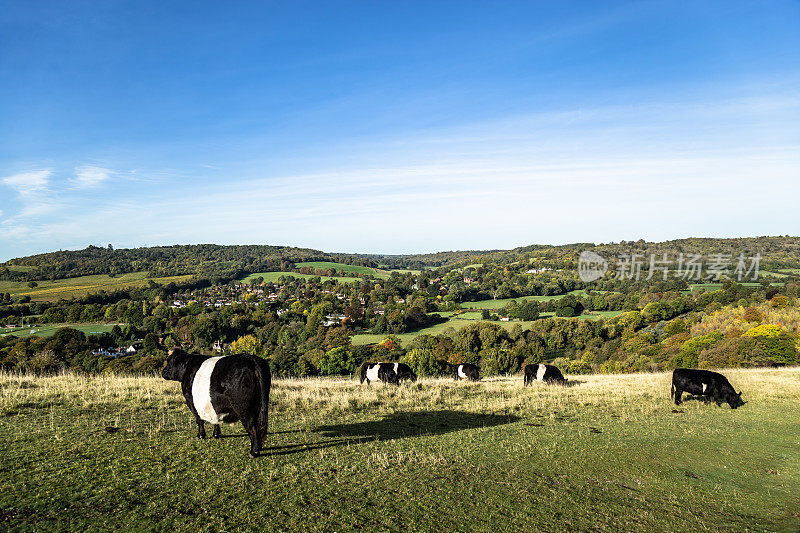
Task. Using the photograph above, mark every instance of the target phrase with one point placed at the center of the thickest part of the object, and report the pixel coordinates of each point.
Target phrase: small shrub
(751, 314)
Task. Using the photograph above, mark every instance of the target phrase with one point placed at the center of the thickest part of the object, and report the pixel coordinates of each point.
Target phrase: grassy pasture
(341, 267)
(275, 276)
(47, 330)
(20, 268)
(609, 453)
(405, 271)
(470, 317)
(499, 304)
(83, 285)
(709, 287)
(780, 274)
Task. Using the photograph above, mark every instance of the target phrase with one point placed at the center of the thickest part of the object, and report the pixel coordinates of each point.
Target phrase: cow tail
(264, 378)
(672, 391)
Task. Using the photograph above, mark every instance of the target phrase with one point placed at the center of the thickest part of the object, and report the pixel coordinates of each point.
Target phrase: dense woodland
(304, 326)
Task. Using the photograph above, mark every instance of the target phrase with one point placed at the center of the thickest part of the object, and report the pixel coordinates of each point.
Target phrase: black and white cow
(385, 372)
(706, 384)
(224, 389)
(404, 371)
(466, 371)
(544, 373)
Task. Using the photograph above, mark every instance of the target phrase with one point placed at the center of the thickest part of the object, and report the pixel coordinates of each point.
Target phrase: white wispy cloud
(29, 183)
(88, 176)
(37, 209)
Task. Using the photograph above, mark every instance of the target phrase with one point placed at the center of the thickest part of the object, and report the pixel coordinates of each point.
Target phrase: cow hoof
(253, 454)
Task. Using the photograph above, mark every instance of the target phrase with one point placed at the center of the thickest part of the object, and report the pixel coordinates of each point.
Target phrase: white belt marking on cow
(201, 391)
(704, 388)
(396, 366)
(372, 372)
(461, 372)
(540, 372)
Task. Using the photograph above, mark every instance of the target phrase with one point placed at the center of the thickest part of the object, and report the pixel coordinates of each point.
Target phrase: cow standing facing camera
(224, 389)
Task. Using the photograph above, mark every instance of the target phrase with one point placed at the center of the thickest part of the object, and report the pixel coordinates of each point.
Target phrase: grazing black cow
(706, 384)
(224, 389)
(385, 372)
(404, 371)
(466, 371)
(544, 373)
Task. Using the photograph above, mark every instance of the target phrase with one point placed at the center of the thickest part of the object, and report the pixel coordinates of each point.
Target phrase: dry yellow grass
(314, 399)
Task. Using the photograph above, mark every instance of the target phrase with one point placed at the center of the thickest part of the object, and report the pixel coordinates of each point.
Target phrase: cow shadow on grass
(572, 383)
(696, 398)
(398, 425)
(565, 384)
(271, 433)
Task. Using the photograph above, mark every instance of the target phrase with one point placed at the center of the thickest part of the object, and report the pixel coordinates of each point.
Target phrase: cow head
(735, 400)
(176, 365)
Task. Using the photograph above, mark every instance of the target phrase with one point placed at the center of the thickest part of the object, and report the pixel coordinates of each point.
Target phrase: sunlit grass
(608, 452)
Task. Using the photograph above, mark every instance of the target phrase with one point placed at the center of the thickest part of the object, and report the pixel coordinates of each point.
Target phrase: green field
(595, 315)
(790, 270)
(20, 268)
(83, 285)
(774, 274)
(465, 319)
(610, 453)
(405, 271)
(326, 265)
(48, 329)
(499, 304)
(273, 277)
(710, 287)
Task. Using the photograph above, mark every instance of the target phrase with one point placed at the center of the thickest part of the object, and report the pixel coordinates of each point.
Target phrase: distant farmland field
(710, 287)
(499, 304)
(47, 330)
(459, 321)
(326, 265)
(83, 285)
(273, 277)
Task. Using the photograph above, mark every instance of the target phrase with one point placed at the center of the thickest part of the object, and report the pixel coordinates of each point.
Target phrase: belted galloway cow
(384, 372)
(543, 373)
(224, 389)
(466, 371)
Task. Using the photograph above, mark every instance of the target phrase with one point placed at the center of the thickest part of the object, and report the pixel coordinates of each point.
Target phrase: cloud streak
(88, 176)
(29, 183)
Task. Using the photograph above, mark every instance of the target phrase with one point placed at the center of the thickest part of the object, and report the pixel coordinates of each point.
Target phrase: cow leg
(201, 428)
(678, 393)
(217, 434)
(255, 439)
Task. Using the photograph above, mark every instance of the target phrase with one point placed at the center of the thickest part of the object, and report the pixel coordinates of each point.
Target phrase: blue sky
(396, 127)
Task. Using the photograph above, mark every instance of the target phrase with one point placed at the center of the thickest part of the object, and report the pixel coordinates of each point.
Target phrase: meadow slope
(609, 453)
